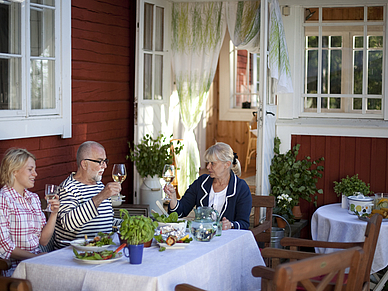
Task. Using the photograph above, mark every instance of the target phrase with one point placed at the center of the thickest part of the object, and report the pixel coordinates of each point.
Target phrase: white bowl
(181, 226)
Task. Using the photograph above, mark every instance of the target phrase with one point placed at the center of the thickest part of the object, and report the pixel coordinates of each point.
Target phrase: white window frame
(347, 37)
(35, 123)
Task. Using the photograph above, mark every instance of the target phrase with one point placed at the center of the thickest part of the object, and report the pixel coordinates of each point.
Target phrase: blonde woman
(221, 189)
(22, 223)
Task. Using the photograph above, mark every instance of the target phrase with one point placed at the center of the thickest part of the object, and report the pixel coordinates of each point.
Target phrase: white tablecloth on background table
(224, 263)
(334, 224)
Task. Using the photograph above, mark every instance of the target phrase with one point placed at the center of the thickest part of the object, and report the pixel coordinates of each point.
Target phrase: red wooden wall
(367, 157)
(103, 76)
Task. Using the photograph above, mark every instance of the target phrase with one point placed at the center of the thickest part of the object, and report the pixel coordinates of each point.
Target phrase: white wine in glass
(168, 176)
(119, 173)
(50, 192)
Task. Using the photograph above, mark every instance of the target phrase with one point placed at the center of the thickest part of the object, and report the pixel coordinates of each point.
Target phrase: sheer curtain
(198, 30)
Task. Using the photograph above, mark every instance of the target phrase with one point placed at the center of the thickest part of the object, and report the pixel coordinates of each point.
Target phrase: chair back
(262, 231)
(187, 287)
(13, 284)
(288, 276)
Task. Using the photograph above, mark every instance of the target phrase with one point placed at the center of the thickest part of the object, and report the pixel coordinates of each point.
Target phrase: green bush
(347, 186)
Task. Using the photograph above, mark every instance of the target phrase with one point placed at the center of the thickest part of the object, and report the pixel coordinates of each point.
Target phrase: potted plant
(296, 178)
(283, 208)
(150, 155)
(348, 186)
(136, 230)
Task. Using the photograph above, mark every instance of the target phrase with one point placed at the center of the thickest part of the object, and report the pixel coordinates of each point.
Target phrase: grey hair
(223, 152)
(14, 159)
(84, 149)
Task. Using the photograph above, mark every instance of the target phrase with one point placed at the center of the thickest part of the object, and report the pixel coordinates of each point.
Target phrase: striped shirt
(77, 215)
(21, 223)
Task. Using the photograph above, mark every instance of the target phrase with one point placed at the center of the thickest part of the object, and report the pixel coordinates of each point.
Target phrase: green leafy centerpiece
(137, 229)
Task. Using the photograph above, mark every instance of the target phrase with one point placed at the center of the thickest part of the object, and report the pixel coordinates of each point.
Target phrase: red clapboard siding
(103, 78)
(344, 156)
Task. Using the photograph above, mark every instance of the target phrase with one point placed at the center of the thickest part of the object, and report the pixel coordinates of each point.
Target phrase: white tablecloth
(224, 263)
(333, 223)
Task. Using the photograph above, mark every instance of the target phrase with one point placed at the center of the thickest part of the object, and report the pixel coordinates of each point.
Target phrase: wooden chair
(331, 266)
(13, 284)
(187, 287)
(252, 144)
(369, 246)
(262, 231)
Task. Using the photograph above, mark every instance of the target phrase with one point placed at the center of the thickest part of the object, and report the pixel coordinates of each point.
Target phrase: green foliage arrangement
(150, 155)
(347, 186)
(296, 178)
(136, 229)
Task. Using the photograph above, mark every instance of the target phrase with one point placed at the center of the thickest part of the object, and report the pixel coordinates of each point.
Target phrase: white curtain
(198, 30)
(279, 63)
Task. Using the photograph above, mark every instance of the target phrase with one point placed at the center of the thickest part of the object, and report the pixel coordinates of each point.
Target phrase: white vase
(344, 202)
(150, 192)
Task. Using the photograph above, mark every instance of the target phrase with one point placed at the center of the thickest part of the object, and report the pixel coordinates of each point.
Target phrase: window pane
(357, 71)
(325, 41)
(43, 2)
(159, 36)
(10, 28)
(148, 26)
(147, 78)
(335, 71)
(158, 78)
(42, 32)
(311, 102)
(357, 103)
(343, 13)
(375, 13)
(335, 103)
(325, 72)
(374, 104)
(375, 72)
(375, 41)
(336, 41)
(312, 41)
(10, 84)
(42, 84)
(358, 42)
(312, 71)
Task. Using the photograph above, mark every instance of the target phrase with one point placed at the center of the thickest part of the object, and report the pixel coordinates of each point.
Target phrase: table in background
(334, 224)
(224, 263)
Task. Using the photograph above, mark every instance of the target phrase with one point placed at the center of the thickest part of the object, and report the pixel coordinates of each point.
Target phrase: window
(344, 62)
(244, 77)
(35, 68)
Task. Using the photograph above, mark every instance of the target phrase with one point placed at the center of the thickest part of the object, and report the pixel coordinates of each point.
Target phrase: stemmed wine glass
(119, 174)
(168, 176)
(50, 192)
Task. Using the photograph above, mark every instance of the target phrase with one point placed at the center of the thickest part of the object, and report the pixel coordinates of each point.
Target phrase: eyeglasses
(106, 161)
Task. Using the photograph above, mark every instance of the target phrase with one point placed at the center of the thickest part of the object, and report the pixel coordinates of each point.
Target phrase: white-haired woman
(221, 189)
(22, 223)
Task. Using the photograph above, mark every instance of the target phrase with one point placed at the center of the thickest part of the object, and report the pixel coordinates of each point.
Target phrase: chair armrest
(263, 272)
(299, 242)
(286, 254)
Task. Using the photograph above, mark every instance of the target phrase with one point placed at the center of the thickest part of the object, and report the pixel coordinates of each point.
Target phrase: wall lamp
(310, 13)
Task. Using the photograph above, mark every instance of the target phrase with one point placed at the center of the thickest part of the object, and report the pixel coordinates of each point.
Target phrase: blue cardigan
(238, 202)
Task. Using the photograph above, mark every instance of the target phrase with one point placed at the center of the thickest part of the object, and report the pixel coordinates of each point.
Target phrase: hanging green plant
(296, 178)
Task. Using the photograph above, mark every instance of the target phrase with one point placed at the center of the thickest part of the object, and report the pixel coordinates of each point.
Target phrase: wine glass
(50, 192)
(119, 174)
(168, 176)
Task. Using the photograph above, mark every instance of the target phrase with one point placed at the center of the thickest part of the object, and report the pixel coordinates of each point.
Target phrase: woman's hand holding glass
(52, 198)
(170, 194)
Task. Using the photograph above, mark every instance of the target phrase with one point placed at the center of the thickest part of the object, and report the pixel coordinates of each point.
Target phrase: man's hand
(111, 189)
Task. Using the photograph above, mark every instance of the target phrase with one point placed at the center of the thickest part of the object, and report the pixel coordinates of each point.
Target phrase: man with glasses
(85, 207)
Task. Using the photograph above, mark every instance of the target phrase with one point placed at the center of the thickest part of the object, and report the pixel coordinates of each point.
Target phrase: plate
(78, 245)
(176, 246)
(98, 262)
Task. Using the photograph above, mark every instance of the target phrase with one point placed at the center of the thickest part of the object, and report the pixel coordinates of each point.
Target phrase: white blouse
(217, 199)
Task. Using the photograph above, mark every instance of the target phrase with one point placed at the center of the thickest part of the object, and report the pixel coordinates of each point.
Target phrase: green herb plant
(150, 155)
(347, 186)
(136, 229)
(296, 178)
(171, 218)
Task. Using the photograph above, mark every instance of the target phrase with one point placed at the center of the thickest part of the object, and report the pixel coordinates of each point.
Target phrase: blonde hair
(13, 160)
(223, 152)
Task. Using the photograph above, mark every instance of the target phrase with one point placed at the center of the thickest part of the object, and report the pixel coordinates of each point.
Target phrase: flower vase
(281, 222)
(297, 213)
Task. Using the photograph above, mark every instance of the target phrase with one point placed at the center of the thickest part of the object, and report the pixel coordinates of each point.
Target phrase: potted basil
(136, 230)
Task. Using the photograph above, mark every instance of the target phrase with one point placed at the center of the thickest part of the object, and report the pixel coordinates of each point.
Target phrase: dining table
(333, 223)
(224, 263)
